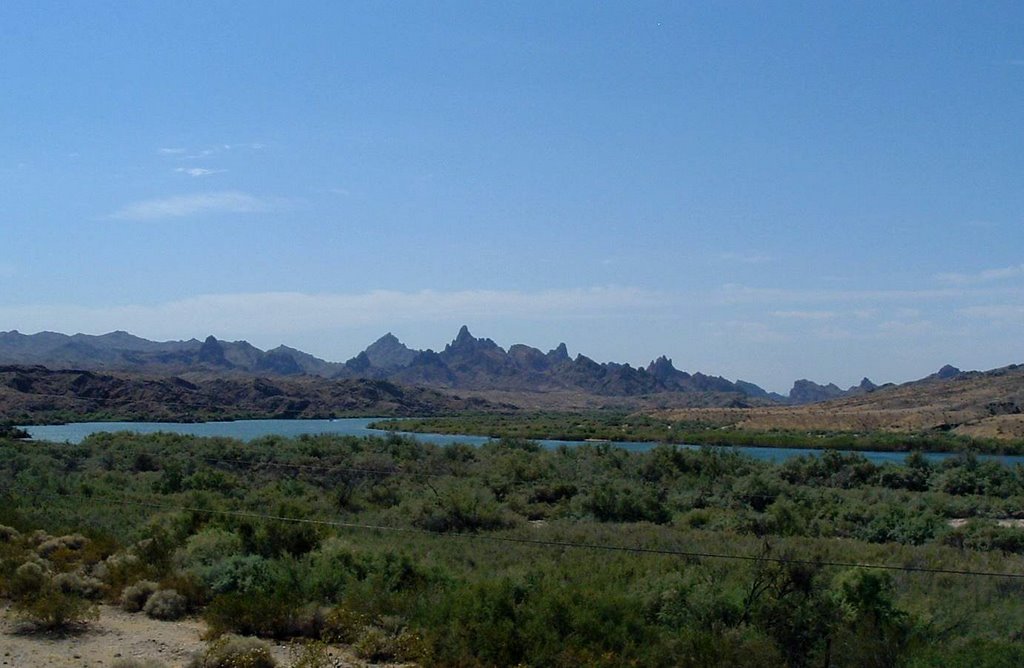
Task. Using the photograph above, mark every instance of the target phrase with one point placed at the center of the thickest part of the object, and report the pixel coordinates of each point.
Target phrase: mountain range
(36, 394)
(467, 363)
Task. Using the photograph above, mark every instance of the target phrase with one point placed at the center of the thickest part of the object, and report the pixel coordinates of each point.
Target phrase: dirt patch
(121, 635)
(1008, 522)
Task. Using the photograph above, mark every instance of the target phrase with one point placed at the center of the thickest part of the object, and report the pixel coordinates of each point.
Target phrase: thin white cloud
(197, 153)
(749, 331)
(1012, 312)
(986, 276)
(189, 205)
(199, 171)
(833, 333)
(281, 316)
(905, 328)
(805, 315)
(732, 293)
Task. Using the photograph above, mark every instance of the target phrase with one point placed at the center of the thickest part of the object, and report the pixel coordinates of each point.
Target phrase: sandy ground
(1006, 522)
(120, 635)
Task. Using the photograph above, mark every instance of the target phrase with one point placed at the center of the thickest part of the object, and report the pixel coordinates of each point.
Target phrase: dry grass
(987, 404)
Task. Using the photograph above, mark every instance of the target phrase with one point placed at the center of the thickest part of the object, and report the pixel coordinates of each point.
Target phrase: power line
(314, 467)
(553, 543)
(785, 493)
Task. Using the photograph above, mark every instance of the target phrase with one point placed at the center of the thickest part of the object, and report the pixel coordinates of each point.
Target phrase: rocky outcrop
(947, 372)
(808, 392)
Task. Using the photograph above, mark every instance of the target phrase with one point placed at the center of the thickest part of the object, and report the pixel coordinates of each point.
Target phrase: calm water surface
(247, 430)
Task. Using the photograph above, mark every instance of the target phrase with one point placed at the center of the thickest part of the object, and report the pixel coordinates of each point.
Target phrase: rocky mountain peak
(559, 354)
(661, 368)
(212, 352)
(388, 352)
(807, 392)
(463, 338)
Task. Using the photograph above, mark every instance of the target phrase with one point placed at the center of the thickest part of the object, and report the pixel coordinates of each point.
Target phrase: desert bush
(190, 586)
(376, 645)
(80, 585)
(165, 604)
(51, 609)
(619, 502)
(343, 625)
(311, 654)
(208, 547)
(237, 573)
(118, 570)
(275, 615)
(38, 537)
(134, 597)
(233, 651)
(29, 579)
(73, 542)
(8, 534)
(463, 509)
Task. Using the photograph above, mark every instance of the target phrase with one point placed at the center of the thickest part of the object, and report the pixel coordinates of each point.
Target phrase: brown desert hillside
(986, 404)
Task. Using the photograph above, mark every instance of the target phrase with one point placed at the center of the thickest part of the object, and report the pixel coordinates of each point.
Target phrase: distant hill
(467, 363)
(808, 392)
(120, 351)
(987, 404)
(35, 394)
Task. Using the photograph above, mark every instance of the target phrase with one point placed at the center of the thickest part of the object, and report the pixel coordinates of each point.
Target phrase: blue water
(247, 430)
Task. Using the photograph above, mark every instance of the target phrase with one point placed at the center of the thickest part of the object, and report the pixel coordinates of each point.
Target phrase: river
(248, 430)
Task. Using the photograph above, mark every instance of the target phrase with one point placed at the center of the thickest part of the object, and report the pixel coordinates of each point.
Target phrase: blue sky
(760, 190)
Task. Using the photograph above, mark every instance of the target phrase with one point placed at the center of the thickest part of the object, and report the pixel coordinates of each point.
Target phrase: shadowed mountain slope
(38, 394)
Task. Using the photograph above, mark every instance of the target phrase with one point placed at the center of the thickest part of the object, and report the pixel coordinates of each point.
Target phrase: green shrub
(190, 586)
(51, 609)
(165, 604)
(208, 547)
(72, 542)
(376, 645)
(80, 585)
(343, 625)
(8, 534)
(29, 579)
(237, 573)
(119, 570)
(254, 613)
(134, 597)
(233, 651)
(463, 509)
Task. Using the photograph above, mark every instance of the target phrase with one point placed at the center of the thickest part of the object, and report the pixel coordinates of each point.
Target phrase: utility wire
(314, 467)
(553, 543)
